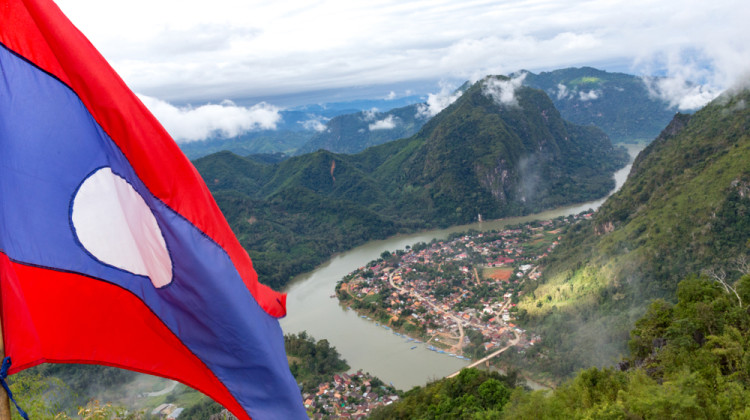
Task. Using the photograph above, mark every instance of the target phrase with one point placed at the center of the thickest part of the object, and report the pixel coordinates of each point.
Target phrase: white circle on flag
(115, 225)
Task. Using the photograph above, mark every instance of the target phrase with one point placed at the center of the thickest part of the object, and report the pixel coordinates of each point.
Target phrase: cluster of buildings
(348, 396)
(167, 411)
(443, 288)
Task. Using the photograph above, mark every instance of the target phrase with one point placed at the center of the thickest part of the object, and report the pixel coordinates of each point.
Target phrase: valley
(475, 157)
(237, 210)
(375, 349)
(565, 292)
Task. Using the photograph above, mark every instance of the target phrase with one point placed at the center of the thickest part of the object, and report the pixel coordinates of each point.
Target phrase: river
(372, 348)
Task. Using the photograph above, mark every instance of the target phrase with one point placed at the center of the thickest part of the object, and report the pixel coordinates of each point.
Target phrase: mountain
(498, 150)
(478, 156)
(353, 133)
(299, 125)
(253, 142)
(620, 104)
(684, 210)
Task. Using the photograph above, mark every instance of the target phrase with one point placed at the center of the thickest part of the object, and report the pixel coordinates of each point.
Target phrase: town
(457, 296)
(349, 395)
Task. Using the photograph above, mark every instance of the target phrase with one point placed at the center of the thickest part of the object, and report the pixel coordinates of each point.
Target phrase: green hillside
(477, 156)
(472, 394)
(618, 103)
(481, 157)
(684, 209)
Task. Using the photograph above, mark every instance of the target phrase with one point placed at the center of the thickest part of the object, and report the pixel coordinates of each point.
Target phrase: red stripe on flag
(51, 321)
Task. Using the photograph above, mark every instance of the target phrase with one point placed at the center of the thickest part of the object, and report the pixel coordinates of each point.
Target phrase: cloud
(315, 123)
(186, 124)
(503, 92)
(687, 83)
(200, 51)
(680, 93)
(590, 95)
(690, 76)
(387, 123)
(562, 91)
(391, 96)
(437, 102)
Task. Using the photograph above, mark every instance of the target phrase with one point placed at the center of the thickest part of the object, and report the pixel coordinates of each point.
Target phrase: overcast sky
(198, 52)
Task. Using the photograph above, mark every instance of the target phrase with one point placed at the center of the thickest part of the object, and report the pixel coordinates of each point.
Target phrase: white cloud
(200, 51)
(590, 95)
(503, 92)
(387, 123)
(562, 91)
(187, 124)
(681, 93)
(315, 123)
(437, 102)
(391, 96)
(687, 85)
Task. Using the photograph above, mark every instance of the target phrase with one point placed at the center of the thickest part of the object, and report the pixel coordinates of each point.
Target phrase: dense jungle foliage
(472, 394)
(312, 362)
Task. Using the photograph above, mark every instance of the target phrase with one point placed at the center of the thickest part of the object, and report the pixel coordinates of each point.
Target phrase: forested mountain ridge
(685, 209)
(622, 105)
(478, 156)
(499, 156)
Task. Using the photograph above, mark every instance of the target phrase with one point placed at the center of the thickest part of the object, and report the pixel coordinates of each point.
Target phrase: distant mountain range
(353, 133)
(298, 126)
(480, 155)
(620, 104)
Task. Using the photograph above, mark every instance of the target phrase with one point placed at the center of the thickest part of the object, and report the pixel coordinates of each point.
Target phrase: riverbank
(434, 292)
(365, 345)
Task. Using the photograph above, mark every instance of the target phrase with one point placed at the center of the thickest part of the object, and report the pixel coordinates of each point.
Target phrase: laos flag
(112, 250)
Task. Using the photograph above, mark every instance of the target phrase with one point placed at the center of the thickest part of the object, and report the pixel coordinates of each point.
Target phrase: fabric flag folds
(112, 250)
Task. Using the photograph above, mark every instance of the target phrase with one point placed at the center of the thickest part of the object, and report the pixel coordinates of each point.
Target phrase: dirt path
(164, 391)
